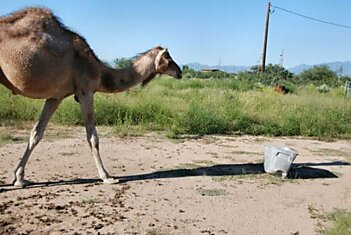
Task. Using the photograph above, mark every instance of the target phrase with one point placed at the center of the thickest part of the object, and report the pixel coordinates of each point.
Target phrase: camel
(40, 58)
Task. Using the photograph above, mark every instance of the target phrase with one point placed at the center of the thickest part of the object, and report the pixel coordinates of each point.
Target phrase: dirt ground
(211, 185)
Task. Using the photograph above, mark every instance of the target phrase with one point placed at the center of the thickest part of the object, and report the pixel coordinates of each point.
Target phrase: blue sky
(207, 31)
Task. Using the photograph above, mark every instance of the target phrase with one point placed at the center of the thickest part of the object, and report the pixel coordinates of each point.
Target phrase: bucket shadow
(309, 170)
(298, 171)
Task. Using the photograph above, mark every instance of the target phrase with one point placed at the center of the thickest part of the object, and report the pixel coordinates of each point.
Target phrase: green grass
(337, 222)
(340, 223)
(201, 107)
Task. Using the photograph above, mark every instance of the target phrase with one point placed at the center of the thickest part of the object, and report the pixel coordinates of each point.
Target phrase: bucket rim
(280, 148)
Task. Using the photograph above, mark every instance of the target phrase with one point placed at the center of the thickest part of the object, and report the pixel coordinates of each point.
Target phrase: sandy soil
(212, 185)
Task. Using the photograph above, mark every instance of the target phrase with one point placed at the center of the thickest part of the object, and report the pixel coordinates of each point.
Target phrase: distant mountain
(335, 66)
(226, 68)
(300, 68)
(197, 66)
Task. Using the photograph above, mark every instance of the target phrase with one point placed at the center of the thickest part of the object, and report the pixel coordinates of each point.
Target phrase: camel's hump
(27, 12)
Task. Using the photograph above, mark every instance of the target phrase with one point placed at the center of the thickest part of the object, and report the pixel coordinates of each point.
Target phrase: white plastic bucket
(278, 159)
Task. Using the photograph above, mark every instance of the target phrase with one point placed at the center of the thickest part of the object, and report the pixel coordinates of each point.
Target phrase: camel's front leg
(35, 137)
(87, 106)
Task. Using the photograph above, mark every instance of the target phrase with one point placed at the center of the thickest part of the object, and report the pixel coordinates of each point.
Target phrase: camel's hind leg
(87, 106)
(35, 136)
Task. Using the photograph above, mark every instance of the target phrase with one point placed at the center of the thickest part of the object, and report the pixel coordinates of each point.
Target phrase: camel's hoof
(22, 183)
(110, 181)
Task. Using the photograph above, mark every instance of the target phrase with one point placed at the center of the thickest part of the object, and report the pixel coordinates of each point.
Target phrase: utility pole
(265, 39)
(282, 58)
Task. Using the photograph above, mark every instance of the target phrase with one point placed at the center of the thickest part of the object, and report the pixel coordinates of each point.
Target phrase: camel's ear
(161, 63)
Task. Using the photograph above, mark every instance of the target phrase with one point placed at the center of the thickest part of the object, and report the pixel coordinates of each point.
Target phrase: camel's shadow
(298, 171)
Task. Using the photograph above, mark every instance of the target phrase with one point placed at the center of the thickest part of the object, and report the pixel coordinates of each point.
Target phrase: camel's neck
(117, 80)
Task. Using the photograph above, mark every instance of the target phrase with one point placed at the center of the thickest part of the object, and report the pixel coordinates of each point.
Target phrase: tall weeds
(200, 107)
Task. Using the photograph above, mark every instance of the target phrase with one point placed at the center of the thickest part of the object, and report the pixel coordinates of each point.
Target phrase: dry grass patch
(331, 152)
(262, 179)
(9, 138)
(238, 152)
(156, 231)
(194, 164)
(212, 192)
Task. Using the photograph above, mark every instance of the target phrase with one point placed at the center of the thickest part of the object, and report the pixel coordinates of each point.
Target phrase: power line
(311, 18)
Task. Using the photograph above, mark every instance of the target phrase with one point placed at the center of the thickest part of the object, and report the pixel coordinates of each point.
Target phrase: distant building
(210, 70)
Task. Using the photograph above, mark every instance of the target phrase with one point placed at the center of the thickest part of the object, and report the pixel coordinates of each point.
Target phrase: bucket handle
(296, 154)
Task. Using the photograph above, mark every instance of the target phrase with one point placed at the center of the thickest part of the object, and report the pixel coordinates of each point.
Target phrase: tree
(274, 75)
(120, 63)
(317, 74)
(273, 72)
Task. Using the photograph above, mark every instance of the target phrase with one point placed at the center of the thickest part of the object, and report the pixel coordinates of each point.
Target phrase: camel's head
(164, 64)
